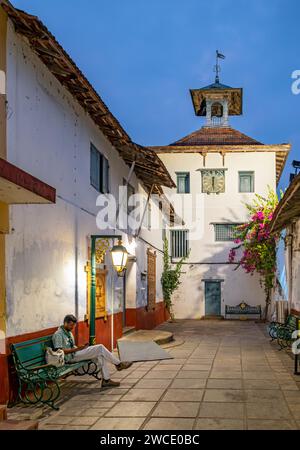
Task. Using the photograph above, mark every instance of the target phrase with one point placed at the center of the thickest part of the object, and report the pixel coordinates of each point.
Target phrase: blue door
(212, 298)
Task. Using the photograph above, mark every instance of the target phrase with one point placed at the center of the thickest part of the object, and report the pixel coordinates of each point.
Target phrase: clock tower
(218, 170)
(217, 102)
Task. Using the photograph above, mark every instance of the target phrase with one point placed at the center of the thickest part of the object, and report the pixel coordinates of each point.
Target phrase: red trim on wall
(142, 318)
(23, 179)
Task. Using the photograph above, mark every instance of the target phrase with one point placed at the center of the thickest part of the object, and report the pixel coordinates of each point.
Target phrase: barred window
(225, 231)
(179, 243)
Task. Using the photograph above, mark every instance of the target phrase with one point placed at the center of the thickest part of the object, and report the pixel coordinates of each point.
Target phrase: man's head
(70, 322)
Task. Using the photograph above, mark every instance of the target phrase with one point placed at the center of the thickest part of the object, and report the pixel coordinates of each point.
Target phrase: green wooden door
(212, 298)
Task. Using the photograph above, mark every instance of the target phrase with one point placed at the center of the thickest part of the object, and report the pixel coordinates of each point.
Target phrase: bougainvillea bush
(257, 244)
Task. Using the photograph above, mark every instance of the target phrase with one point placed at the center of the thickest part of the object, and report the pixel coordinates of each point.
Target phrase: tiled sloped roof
(148, 166)
(288, 209)
(216, 136)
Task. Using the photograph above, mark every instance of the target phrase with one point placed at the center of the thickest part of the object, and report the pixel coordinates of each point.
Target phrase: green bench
(283, 332)
(243, 308)
(38, 381)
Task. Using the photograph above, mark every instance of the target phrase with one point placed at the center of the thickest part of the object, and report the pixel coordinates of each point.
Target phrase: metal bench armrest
(48, 372)
(43, 366)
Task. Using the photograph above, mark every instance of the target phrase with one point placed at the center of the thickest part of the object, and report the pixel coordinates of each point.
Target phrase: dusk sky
(143, 56)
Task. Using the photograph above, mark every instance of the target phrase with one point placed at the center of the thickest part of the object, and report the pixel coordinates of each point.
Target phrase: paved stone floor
(224, 375)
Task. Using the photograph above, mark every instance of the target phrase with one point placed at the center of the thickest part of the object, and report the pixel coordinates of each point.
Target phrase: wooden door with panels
(151, 279)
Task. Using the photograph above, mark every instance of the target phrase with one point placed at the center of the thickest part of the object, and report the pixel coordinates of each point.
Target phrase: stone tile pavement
(224, 375)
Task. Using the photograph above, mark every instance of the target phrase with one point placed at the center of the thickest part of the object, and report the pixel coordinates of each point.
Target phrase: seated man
(64, 339)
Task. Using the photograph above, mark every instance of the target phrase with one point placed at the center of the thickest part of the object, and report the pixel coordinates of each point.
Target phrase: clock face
(213, 181)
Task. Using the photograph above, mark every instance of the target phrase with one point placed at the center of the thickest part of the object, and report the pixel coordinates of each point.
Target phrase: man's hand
(75, 349)
(82, 347)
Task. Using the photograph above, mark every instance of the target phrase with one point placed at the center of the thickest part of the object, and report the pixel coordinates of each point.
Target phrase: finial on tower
(217, 67)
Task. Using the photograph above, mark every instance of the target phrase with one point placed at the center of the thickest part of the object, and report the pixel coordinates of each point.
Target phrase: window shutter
(246, 182)
(187, 184)
(95, 168)
(183, 182)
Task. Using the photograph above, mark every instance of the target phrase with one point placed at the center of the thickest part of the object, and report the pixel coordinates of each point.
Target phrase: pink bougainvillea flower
(260, 215)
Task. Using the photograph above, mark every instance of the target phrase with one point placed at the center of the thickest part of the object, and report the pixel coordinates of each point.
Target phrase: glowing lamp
(119, 257)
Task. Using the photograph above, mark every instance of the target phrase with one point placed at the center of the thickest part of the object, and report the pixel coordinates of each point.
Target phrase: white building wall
(208, 259)
(49, 136)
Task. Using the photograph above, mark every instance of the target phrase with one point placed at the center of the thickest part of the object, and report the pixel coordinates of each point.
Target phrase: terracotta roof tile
(216, 136)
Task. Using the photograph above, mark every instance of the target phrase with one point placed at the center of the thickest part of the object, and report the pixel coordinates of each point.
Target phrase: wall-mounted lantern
(119, 257)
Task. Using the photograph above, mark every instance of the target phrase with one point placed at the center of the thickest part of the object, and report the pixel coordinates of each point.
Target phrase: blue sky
(143, 56)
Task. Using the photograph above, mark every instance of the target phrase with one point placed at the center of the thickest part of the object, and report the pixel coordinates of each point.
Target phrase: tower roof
(216, 136)
(218, 90)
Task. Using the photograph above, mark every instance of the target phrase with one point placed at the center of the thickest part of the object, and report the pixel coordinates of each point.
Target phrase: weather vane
(217, 67)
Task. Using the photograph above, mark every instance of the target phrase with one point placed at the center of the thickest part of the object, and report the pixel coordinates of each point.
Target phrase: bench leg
(89, 369)
(44, 391)
(279, 342)
(98, 375)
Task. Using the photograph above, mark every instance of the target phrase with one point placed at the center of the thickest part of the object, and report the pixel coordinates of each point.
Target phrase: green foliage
(170, 279)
